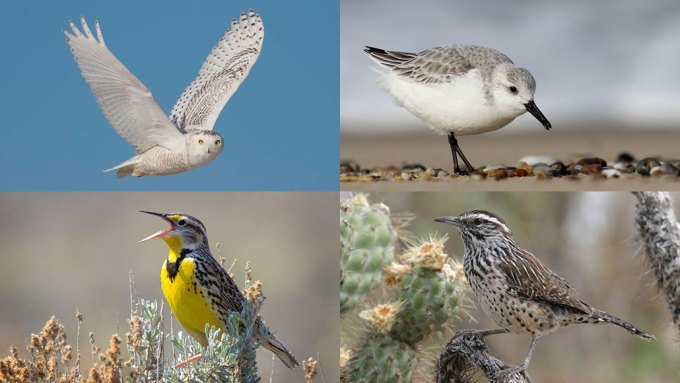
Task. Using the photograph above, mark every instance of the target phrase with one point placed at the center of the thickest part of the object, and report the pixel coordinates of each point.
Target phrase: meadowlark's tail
(272, 344)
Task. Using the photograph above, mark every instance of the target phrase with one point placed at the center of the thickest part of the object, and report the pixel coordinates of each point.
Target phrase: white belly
(461, 107)
(159, 161)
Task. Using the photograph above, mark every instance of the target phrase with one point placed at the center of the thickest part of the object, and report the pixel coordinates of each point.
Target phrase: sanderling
(458, 89)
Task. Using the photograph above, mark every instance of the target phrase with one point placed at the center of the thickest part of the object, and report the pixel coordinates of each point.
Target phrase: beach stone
(526, 167)
(592, 161)
(625, 157)
(413, 167)
(645, 166)
(404, 176)
(349, 166)
(611, 173)
(559, 168)
(591, 169)
(535, 160)
(663, 169)
(498, 174)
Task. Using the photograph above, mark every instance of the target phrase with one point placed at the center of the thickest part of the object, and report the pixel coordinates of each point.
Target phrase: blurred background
(280, 129)
(606, 76)
(64, 252)
(588, 239)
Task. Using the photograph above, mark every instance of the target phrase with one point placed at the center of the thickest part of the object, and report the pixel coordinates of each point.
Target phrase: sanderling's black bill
(533, 109)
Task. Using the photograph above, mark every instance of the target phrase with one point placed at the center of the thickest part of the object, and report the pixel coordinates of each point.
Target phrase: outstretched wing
(223, 71)
(126, 102)
(529, 278)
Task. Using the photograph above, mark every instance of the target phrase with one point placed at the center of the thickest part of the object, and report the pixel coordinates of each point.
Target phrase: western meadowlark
(198, 289)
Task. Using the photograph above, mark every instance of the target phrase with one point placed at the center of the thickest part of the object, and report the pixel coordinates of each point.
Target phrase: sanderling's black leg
(455, 152)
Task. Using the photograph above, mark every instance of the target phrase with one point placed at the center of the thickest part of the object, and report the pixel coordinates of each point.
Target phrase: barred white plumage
(185, 140)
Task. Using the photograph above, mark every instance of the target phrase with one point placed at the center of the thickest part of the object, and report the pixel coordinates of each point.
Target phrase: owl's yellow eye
(218, 142)
(200, 142)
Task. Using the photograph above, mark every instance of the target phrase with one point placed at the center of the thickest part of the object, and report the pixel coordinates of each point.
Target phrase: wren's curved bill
(198, 289)
(185, 140)
(515, 289)
(458, 89)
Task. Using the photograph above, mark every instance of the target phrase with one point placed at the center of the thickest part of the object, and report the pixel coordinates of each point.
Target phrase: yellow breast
(187, 299)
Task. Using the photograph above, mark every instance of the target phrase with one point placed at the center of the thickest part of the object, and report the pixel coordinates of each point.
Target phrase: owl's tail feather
(126, 168)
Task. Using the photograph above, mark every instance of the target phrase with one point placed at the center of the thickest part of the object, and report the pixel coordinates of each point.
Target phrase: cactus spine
(422, 288)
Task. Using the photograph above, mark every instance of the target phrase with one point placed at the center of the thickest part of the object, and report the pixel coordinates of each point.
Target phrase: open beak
(533, 109)
(161, 233)
(450, 220)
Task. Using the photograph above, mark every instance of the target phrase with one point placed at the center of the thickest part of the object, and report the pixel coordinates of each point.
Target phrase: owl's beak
(161, 233)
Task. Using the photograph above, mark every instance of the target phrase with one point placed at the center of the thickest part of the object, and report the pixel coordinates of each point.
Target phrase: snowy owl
(184, 140)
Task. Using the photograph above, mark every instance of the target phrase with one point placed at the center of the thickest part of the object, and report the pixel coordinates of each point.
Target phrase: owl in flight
(184, 140)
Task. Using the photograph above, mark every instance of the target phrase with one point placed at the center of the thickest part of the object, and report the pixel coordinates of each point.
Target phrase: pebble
(592, 161)
(498, 174)
(663, 169)
(541, 167)
(535, 160)
(559, 168)
(348, 166)
(611, 173)
(625, 157)
(414, 167)
(646, 165)
(591, 169)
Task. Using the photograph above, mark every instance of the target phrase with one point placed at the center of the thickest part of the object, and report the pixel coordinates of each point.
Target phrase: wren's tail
(272, 344)
(602, 317)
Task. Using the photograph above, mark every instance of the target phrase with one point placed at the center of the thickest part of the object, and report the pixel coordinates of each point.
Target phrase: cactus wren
(515, 289)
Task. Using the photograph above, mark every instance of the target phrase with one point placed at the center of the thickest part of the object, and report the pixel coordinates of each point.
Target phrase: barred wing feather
(223, 71)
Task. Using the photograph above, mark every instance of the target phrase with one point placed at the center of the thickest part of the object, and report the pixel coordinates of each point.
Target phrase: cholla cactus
(367, 240)
(659, 232)
(422, 290)
(381, 359)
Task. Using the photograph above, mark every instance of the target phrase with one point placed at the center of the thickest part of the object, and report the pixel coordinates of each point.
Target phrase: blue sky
(281, 128)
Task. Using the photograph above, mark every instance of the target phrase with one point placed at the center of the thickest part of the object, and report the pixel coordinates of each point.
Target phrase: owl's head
(203, 146)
